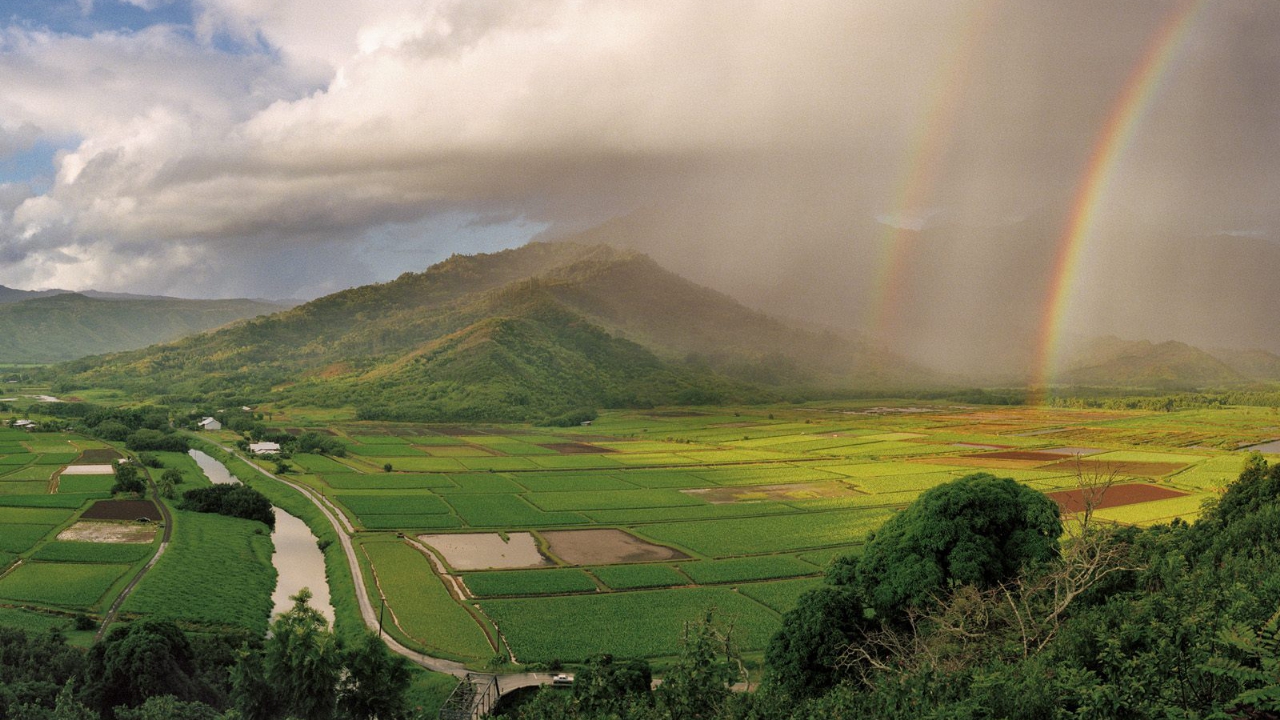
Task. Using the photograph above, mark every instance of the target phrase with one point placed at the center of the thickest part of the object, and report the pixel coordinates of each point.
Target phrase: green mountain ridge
(66, 326)
(522, 334)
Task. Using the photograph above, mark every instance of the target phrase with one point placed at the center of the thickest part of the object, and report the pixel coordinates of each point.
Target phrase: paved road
(506, 682)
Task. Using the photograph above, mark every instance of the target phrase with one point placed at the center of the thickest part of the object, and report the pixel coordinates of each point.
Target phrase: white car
(562, 680)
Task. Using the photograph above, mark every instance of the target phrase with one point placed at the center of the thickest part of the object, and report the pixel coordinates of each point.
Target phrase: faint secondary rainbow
(924, 161)
(1126, 116)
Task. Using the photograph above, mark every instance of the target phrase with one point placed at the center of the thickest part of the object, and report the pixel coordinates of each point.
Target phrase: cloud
(332, 137)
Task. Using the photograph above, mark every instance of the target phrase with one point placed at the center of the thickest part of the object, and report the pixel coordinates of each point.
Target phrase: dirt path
(164, 544)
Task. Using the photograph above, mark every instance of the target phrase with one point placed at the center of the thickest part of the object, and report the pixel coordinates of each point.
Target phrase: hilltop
(1111, 361)
(57, 326)
(522, 334)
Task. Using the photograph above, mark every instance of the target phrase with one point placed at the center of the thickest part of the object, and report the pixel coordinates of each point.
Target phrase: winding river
(297, 559)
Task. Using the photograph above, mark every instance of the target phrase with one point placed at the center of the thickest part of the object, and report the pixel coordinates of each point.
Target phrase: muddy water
(297, 559)
(1267, 447)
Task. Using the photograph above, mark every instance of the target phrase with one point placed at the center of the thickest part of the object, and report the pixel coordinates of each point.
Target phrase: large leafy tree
(979, 530)
(141, 660)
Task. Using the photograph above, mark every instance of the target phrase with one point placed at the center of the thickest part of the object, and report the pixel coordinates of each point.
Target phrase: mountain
(541, 330)
(1255, 364)
(66, 326)
(1113, 362)
(12, 295)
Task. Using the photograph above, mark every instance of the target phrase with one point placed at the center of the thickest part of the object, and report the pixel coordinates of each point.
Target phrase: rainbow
(1126, 116)
(924, 161)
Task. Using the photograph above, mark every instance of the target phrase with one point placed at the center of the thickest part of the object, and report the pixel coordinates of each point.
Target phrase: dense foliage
(237, 500)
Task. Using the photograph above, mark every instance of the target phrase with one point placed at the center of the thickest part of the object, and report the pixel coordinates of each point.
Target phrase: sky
(217, 148)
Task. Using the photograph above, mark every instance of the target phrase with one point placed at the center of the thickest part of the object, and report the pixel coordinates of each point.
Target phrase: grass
(48, 501)
(74, 585)
(742, 536)
(88, 552)
(421, 604)
(507, 511)
(407, 522)
(765, 567)
(570, 628)
(780, 595)
(633, 577)
(529, 582)
(393, 504)
(386, 481)
(544, 483)
(76, 484)
(612, 500)
(216, 572)
(21, 538)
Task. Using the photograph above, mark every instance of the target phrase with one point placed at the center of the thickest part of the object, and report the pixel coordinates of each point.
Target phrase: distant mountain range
(1113, 362)
(541, 330)
(52, 326)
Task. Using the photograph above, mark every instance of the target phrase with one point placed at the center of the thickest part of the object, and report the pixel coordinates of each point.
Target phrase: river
(297, 559)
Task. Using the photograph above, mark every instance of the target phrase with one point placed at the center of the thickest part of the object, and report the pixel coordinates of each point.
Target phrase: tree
(302, 661)
(143, 659)
(167, 707)
(375, 681)
(804, 656)
(128, 480)
(979, 530)
(697, 685)
(607, 687)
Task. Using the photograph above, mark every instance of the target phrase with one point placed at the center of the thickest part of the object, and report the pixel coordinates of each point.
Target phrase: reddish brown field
(1073, 501)
(572, 448)
(121, 510)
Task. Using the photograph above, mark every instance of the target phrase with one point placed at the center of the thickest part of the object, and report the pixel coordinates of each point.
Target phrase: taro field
(67, 550)
(554, 544)
(55, 563)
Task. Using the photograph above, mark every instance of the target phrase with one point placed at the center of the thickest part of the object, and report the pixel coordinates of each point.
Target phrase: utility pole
(381, 609)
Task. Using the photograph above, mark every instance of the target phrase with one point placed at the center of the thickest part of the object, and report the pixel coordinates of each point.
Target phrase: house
(209, 424)
(265, 448)
(24, 424)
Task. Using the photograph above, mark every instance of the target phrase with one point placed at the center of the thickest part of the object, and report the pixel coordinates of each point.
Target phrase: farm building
(265, 448)
(209, 424)
(24, 424)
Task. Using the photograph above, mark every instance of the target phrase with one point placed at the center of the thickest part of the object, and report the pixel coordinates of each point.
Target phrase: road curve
(506, 682)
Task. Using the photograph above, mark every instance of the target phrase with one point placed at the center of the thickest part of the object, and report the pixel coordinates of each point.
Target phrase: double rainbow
(1126, 116)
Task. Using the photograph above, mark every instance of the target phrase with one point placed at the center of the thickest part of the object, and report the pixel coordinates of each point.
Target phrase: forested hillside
(525, 334)
(70, 325)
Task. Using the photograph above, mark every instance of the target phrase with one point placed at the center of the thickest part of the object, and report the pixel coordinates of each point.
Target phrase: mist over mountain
(970, 299)
(520, 334)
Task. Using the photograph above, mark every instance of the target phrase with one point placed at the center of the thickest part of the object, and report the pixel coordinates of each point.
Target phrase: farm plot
(552, 581)
(745, 536)
(506, 511)
(92, 552)
(75, 585)
(217, 572)
(605, 547)
(782, 595)
(420, 605)
(617, 499)
(79, 484)
(480, 551)
(765, 567)
(635, 577)
(1074, 501)
(631, 624)
(16, 538)
(102, 531)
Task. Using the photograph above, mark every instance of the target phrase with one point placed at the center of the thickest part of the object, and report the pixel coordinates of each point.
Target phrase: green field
(757, 502)
(216, 572)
